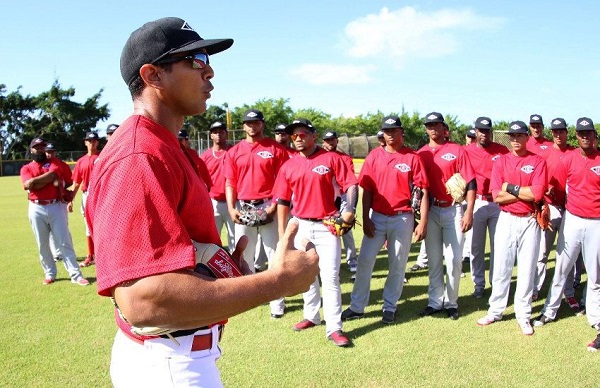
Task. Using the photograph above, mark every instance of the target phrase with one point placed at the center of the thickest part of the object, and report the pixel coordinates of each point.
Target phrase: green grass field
(61, 335)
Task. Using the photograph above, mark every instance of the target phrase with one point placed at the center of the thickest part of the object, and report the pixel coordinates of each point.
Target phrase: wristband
(513, 189)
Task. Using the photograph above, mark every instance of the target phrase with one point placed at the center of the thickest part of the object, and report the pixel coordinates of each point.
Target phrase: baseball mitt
(253, 216)
(542, 215)
(456, 186)
(337, 226)
(211, 260)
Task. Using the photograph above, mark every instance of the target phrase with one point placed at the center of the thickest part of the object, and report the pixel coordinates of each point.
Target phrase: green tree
(275, 111)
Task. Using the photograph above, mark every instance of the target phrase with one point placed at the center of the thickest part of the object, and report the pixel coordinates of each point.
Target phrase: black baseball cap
(584, 124)
(50, 147)
(435, 117)
(330, 135)
(253, 115)
(280, 128)
(518, 127)
(92, 136)
(37, 141)
(300, 122)
(471, 133)
(183, 134)
(111, 128)
(379, 134)
(484, 123)
(535, 118)
(391, 122)
(160, 38)
(218, 125)
(558, 123)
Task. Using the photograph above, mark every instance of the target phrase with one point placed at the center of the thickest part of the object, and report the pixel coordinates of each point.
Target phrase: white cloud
(322, 74)
(407, 33)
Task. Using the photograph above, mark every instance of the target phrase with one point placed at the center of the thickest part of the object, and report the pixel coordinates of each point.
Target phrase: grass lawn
(61, 335)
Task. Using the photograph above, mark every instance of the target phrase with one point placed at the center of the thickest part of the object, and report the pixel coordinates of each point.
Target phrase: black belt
(183, 333)
(310, 219)
(255, 202)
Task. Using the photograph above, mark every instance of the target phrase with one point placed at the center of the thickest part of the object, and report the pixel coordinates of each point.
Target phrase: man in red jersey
(482, 155)
(537, 143)
(579, 231)
(214, 159)
(251, 167)
(146, 205)
(283, 139)
(306, 182)
(184, 140)
(330, 143)
(446, 221)
(81, 179)
(388, 177)
(556, 202)
(44, 179)
(518, 179)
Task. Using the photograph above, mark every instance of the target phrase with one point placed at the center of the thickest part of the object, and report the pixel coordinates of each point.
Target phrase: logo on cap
(535, 118)
(596, 170)
(187, 27)
(448, 157)
(403, 167)
(484, 121)
(527, 169)
(265, 154)
(431, 117)
(390, 121)
(321, 170)
(252, 114)
(515, 127)
(584, 123)
(556, 122)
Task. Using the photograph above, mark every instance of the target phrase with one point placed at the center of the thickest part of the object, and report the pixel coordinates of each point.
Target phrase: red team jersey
(251, 168)
(582, 176)
(539, 147)
(215, 164)
(390, 177)
(482, 160)
(310, 180)
(83, 171)
(200, 167)
(553, 158)
(529, 170)
(34, 169)
(442, 162)
(146, 173)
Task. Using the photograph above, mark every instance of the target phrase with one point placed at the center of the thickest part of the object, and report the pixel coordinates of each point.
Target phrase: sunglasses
(199, 60)
(300, 136)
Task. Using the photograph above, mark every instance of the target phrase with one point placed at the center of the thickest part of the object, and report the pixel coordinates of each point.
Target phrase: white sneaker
(525, 326)
(352, 263)
(487, 320)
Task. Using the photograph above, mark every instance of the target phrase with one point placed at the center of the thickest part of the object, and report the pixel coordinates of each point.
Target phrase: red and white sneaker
(339, 339)
(88, 261)
(81, 281)
(303, 325)
(573, 304)
(595, 344)
(487, 320)
(47, 281)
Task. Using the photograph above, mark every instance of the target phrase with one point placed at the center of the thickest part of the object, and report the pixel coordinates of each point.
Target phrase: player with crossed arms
(306, 182)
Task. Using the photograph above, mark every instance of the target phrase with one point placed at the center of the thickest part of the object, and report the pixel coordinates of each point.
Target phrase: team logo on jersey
(321, 170)
(495, 157)
(527, 169)
(46, 165)
(596, 170)
(544, 148)
(448, 157)
(403, 167)
(265, 154)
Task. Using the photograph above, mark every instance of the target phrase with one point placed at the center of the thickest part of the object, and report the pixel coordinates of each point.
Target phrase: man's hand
(70, 207)
(368, 227)
(238, 255)
(466, 222)
(420, 231)
(299, 268)
(235, 215)
(271, 209)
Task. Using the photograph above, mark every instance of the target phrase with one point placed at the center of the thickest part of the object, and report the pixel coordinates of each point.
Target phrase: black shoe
(417, 267)
(478, 294)
(428, 311)
(276, 316)
(388, 317)
(452, 313)
(348, 315)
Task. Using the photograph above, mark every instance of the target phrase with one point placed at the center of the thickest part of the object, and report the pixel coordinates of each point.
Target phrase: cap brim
(212, 46)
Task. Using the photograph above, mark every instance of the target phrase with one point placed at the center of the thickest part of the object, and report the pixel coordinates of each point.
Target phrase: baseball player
(537, 143)
(184, 140)
(388, 177)
(283, 139)
(251, 167)
(214, 159)
(110, 130)
(44, 179)
(470, 138)
(81, 178)
(556, 202)
(51, 155)
(580, 169)
(518, 179)
(146, 262)
(306, 182)
(482, 155)
(330, 143)
(446, 222)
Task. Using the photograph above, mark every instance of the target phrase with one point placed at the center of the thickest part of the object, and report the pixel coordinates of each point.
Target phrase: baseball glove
(456, 186)
(253, 216)
(337, 226)
(542, 215)
(211, 260)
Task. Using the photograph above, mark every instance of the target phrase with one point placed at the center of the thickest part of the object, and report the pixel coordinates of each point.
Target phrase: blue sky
(503, 59)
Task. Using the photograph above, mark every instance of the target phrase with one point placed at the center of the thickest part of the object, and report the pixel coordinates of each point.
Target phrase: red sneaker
(339, 339)
(48, 281)
(573, 304)
(88, 261)
(81, 282)
(303, 325)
